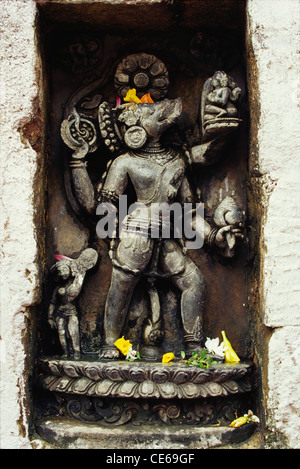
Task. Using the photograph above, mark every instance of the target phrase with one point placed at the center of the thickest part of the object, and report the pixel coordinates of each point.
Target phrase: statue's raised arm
(219, 117)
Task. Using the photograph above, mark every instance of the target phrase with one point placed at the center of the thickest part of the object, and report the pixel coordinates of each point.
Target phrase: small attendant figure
(62, 313)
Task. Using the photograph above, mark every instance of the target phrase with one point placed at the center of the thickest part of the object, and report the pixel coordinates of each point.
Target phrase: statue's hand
(81, 152)
(226, 236)
(52, 323)
(74, 269)
(220, 239)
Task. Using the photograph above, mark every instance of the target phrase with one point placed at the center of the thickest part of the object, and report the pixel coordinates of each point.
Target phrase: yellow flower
(131, 97)
(230, 355)
(239, 422)
(123, 345)
(246, 418)
(168, 357)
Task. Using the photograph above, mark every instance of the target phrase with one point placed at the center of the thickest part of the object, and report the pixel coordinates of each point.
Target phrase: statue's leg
(132, 256)
(215, 111)
(190, 281)
(73, 329)
(231, 110)
(117, 303)
(61, 329)
(193, 287)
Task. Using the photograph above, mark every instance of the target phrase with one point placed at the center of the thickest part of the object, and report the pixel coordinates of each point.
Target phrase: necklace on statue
(158, 155)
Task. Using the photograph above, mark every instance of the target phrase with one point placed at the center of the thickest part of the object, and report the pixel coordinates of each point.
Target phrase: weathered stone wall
(273, 71)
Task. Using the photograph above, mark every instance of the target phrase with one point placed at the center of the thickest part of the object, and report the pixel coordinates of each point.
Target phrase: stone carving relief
(132, 151)
(143, 72)
(141, 412)
(158, 175)
(146, 393)
(219, 113)
(144, 380)
(69, 275)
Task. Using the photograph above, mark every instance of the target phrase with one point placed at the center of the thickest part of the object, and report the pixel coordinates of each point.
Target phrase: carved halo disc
(144, 72)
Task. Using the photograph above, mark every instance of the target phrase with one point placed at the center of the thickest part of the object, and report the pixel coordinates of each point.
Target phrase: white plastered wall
(272, 31)
(19, 274)
(273, 34)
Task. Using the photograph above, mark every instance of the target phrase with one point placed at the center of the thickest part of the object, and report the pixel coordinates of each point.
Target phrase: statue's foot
(109, 351)
(191, 347)
(216, 358)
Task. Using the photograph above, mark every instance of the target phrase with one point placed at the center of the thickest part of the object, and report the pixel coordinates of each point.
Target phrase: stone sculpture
(219, 111)
(228, 213)
(62, 313)
(132, 131)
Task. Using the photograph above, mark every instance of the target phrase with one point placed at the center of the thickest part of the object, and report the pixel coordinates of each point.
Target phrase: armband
(77, 164)
(212, 236)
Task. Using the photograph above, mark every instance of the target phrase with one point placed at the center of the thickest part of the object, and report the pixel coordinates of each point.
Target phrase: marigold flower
(168, 357)
(123, 345)
(131, 97)
(146, 98)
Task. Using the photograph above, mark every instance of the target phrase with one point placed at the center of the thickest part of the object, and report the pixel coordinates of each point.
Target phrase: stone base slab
(65, 433)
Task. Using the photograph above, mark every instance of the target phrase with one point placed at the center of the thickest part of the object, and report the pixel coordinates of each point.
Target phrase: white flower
(251, 417)
(131, 355)
(213, 347)
(254, 418)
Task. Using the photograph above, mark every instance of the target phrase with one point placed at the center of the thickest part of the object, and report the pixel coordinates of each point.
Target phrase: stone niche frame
(272, 178)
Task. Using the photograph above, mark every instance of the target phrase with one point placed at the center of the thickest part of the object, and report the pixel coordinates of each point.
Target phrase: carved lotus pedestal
(216, 127)
(107, 404)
